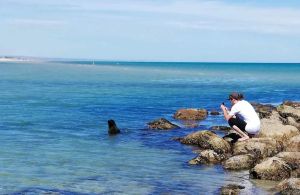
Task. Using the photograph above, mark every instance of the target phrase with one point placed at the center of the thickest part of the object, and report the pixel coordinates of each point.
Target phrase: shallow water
(53, 124)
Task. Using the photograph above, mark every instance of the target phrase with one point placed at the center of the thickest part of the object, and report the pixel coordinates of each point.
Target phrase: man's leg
(239, 126)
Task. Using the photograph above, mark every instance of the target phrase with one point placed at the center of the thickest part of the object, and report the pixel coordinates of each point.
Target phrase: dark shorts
(237, 122)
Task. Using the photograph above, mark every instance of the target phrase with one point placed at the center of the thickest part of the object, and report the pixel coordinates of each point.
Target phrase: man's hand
(223, 107)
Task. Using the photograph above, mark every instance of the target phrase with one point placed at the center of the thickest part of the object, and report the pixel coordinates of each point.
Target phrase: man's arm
(225, 112)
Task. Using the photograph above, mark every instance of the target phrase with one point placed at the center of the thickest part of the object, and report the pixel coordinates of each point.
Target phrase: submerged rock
(207, 140)
(289, 186)
(258, 147)
(207, 157)
(244, 161)
(293, 145)
(271, 169)
(162, 124)
(112, 127)
(263, 110)
(220, 128)
(214, 112)
(231, 189)
(191, 114)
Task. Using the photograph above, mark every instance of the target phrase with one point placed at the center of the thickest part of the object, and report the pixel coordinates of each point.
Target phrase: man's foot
(243, 138)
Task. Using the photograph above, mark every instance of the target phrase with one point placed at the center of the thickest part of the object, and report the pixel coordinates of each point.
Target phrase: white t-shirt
(245, 111)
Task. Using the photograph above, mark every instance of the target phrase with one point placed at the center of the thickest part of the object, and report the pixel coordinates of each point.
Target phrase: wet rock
(207, 140)
(291, 158)
(214, 112)
(258, 147)
(289, 111)
(271, 169)
(244, 161)
(231, 189)
(291, 103)
(293, 145)
(263, 110)
(220, 128)
(112, 128)
(273, 128)
(232, 137)
(191, 114)
(289, 186)
(162, 124)
(207, 157)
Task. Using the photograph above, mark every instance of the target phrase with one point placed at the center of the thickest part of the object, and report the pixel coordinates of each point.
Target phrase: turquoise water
(53, 124)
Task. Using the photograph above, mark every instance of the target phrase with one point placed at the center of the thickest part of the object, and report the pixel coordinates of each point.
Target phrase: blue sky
(170, 30)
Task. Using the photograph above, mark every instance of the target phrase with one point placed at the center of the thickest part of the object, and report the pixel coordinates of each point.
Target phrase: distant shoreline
(17, 59)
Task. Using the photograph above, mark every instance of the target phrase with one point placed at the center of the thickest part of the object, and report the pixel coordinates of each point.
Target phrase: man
(242, 117)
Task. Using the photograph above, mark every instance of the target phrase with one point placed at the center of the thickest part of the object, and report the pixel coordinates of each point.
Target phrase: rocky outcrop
(231, 189)
(220, 128)
(291, 158)
(162, 124)
(208, 157)
(263, 110)
(291, 103)
(289, 111)
(271, 169)
(293, 145)
(289, 186)
(272, 127)
(244, 161)
(258, 147)
(191, 114)
(112, 128)
(207, 140)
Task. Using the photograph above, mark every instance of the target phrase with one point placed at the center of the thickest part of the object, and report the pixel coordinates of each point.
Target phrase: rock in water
(191, 114)
(208, 157)
(207, 140)
(162, 124)
(220, 128)
(231, 189)
(289, 186)
(112, 128)
(271, 169)
(244, 161)
(214, 112)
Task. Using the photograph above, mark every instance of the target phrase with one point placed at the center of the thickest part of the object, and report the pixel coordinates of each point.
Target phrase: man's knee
(231, 122)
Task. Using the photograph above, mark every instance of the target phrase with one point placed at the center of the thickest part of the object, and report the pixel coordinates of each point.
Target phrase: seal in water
(112, 127)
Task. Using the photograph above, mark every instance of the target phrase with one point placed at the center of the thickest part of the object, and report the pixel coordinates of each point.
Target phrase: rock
(207, 140)
(191, 114)
(271, 169)
(112, 128)
(296, 173)
(231, 189)
(220, 128)
(244, 161)
(273, 128)
(289, 111)
(293, 104)
(293, 144)
(162, 124)
(207, 157)
(258, 147)
(289, 186)
(291, 158)
(292, 121)
(232, 137)
(263, 110)
(214, 112)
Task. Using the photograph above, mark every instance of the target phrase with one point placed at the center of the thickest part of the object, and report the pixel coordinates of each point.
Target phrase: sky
(152, 30)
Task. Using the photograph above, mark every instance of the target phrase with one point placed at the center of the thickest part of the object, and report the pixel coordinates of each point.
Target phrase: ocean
(53, 124)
